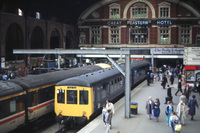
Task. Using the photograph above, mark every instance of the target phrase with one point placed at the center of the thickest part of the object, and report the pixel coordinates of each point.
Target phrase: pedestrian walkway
(140, 123)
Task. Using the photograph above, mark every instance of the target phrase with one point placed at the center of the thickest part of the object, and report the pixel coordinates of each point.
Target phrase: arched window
(164, 10)
(14, 40)
(37, 38)
(54, 40)
(139, 10)
(114, 11)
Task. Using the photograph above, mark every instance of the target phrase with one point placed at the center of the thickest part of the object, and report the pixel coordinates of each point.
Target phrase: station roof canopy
(124, 51)
(69, 51)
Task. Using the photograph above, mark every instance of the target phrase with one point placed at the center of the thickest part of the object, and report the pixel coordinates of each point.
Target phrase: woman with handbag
(149, 106)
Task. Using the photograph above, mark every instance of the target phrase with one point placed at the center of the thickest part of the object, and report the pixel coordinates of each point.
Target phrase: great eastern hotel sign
(191, 56)
(158, 22)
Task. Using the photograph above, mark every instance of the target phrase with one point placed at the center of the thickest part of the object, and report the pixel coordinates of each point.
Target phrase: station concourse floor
(140, 122)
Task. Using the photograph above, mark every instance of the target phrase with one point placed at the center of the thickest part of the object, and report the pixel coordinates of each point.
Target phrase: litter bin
(134, 107)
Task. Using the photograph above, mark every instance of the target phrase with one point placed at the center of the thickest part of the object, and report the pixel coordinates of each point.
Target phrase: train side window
(49, 93)
(98, 93)
(60, 96)
(104, 90)
(71, 97)
(21, 103)
(13, 106)
(112, 87)
(83, 97)
(33, 98)
(1, 111)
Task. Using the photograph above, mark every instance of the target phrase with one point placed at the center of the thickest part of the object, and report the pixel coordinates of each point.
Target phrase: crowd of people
(186, 106)
(7, 76)
(175, 117)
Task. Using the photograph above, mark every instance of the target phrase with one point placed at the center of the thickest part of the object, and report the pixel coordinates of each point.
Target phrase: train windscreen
(83, 97)
(71, 97)
(60, 96)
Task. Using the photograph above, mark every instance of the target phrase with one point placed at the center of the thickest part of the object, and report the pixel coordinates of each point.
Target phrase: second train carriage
(12, 107)
(84, 95)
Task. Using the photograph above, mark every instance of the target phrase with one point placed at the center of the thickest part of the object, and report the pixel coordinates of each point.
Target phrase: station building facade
(164, 26)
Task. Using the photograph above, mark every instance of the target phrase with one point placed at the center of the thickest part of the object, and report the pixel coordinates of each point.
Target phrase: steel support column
(127, 87)
(152, 60)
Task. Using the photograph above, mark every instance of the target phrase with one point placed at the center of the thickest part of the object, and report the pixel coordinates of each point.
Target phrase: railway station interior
(160, 32)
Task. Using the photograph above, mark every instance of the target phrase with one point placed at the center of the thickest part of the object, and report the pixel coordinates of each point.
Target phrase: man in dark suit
(164, 82)
(187, 92)
(169, 94)
(148, 78)
(179, 87)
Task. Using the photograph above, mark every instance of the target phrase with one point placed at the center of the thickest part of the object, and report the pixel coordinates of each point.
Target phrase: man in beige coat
(181, 111)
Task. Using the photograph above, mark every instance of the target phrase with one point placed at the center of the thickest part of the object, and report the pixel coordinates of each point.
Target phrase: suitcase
(169, 99)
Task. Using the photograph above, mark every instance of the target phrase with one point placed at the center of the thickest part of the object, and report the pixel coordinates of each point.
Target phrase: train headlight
(84, 112)
(60, 111)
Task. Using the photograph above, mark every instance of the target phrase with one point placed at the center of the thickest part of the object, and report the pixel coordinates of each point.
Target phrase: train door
(108, 91)
(21, 110)
(95, 99)
(35, 101)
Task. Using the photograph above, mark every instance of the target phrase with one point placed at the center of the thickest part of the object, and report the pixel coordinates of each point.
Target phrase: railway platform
(140, 122)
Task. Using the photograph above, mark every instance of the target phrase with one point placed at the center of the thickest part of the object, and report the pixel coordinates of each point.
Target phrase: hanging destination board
(191, 56)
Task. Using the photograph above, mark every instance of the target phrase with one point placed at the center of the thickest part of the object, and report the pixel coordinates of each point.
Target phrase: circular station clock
(95, 14)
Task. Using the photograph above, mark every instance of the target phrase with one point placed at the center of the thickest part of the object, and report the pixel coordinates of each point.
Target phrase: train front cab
(74, 101)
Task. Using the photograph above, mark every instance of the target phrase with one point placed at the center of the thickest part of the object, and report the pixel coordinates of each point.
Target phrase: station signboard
(191, 56)
(168, 51)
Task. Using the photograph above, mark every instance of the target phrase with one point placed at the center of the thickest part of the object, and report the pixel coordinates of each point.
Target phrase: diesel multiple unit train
(80, 98)
(24, 100)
